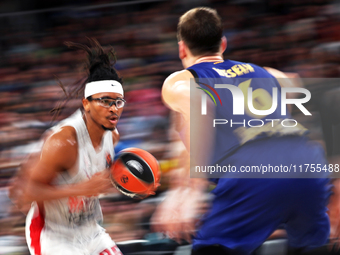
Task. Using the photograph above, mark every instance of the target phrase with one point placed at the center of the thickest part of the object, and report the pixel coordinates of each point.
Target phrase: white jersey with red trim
(86, 240)
(73, 212)
(69, 226)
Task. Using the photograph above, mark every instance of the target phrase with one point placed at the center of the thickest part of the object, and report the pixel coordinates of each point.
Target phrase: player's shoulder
(182, 75)
(61, 140)
(61, 148)
(176, 81)
(176, 88)
(64, 132)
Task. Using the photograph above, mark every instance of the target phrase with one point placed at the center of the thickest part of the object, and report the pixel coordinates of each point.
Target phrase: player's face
(105, 109)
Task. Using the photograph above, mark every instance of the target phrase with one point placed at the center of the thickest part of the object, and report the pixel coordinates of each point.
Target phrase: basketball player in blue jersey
(245, 211)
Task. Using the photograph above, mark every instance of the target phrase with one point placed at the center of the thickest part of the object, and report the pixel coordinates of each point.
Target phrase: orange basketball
(135, 173)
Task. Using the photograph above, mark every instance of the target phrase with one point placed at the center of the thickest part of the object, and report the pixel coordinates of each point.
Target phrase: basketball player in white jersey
(72, 169)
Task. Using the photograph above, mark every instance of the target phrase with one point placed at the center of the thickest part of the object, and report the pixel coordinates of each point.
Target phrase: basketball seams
(143, 170)
(122, 190)
(137, 156)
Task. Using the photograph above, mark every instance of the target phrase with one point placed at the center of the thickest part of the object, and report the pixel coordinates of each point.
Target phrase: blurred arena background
(293, 36)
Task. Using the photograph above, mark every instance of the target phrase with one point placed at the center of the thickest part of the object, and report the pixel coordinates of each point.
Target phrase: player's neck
(95, 132)
(212, 58)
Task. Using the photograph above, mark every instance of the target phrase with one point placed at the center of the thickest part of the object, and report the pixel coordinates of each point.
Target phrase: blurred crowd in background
(293, 36)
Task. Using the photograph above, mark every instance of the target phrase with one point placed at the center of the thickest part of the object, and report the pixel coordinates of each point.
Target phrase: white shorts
(85, 241)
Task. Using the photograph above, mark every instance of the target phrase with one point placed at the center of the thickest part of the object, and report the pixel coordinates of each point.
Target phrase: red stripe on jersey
(37, 224)
(116, 250)
(105, 252)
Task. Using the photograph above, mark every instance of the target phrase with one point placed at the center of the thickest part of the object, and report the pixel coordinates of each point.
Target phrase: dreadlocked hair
(98, 67)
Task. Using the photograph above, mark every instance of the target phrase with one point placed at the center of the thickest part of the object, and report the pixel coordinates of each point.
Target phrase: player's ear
(223, 44)
(182, 50)
(86, 104)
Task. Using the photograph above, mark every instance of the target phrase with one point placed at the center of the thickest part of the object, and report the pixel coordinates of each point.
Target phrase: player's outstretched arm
(286, 80)
(177, 214)
(18, 183)
(59, 154)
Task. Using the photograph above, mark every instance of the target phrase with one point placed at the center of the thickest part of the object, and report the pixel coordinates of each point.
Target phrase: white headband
(95, 87)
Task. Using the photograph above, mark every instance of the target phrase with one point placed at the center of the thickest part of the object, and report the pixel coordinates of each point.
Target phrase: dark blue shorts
(246, 211)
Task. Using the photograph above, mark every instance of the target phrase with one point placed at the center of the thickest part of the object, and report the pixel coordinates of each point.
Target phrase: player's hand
(99, 183)
(18, 195)
(176, 215)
